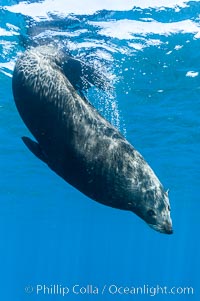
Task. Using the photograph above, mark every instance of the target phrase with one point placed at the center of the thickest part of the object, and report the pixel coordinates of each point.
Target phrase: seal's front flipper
(35, 148)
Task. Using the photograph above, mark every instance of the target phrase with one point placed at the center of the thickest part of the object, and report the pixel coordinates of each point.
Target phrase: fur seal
(77, 143)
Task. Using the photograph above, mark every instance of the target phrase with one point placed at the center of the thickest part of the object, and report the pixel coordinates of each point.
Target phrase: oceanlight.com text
(110, 289)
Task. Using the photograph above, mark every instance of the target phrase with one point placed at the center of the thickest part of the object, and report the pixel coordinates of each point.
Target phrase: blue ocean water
(52, 236)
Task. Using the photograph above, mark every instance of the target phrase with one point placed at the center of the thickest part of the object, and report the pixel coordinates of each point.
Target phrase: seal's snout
(167, 229)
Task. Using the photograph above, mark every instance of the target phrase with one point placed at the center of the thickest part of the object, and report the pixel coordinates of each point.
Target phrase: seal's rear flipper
(35, 148)
(82, 76)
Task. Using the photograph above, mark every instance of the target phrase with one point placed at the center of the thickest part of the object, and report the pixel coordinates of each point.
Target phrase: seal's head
(158, 217)
(156, 211)
(149, 200)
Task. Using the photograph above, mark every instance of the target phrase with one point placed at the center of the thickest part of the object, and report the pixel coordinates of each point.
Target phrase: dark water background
(50, 233)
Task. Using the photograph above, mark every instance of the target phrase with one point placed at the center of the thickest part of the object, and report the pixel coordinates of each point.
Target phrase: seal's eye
(151, 213)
